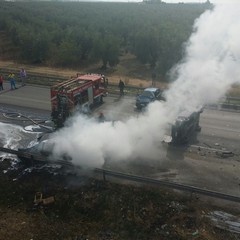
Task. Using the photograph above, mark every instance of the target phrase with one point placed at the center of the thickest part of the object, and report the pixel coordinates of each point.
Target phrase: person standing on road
(121, 86)
(101, 117)
(23, 76)
(11, 78)
(1, 83)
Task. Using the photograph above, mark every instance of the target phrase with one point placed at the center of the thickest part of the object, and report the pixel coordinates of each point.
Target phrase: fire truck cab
(79, 93)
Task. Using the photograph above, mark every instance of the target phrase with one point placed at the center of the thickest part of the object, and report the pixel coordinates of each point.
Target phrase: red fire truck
(80, 93)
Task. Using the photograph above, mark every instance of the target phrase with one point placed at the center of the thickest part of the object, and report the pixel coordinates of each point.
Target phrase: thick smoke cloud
(211, 64)
(210, 67)
(90, 143)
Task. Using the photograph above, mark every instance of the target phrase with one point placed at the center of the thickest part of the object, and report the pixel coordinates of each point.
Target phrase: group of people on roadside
(12, 79)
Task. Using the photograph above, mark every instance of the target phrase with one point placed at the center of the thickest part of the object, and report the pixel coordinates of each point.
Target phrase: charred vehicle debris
(185, 127)
(41, 152)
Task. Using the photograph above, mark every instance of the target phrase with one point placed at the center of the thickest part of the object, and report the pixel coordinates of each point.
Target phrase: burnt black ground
(87, 208)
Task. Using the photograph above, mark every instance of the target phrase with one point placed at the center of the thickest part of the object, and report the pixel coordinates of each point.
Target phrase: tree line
(72, 33)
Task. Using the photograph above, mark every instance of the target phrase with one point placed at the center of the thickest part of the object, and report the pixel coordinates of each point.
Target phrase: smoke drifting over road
(210, 67)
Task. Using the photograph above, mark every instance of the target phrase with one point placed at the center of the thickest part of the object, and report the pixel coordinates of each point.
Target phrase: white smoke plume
(211, 64)
(210, 67)
(90, 143)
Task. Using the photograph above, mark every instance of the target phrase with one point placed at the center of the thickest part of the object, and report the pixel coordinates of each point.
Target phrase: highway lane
(28, 96)
(228, 123)
(220, 130)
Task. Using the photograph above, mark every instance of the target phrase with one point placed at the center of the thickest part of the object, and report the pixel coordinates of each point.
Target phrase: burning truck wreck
(41, 151)
(185, 127)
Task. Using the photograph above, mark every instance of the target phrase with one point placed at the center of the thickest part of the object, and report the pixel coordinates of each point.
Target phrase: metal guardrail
(172, 185)
(50, 80)
(228, 102)
(231, 100)
(35, 78)
(235, 107)
(186, 188)
(225, 106)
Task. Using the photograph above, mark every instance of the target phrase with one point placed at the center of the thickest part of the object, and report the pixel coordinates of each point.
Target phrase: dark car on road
(147, 96)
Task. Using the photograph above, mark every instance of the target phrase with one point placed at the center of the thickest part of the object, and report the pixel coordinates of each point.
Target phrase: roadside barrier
(31, 158)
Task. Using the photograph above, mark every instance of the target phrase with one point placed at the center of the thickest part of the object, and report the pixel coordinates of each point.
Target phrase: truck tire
(101, 99)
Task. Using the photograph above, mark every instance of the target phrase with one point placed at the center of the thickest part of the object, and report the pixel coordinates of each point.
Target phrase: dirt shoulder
(86, 208)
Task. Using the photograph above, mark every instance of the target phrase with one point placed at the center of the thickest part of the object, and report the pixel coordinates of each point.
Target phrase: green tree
(66, 54)
(34, 47)
(69, 34)
(147, 47)
(107, 50)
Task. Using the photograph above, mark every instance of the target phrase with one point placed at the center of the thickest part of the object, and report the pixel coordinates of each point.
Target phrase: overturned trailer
(185, 127)
(39, 151)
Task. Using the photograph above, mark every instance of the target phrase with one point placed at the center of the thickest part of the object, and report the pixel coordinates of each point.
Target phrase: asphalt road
(28, 96)
(220, 126)
(201, 168)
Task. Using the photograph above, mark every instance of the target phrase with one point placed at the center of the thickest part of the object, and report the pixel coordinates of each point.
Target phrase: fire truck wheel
(198, 129)
(101, 99)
